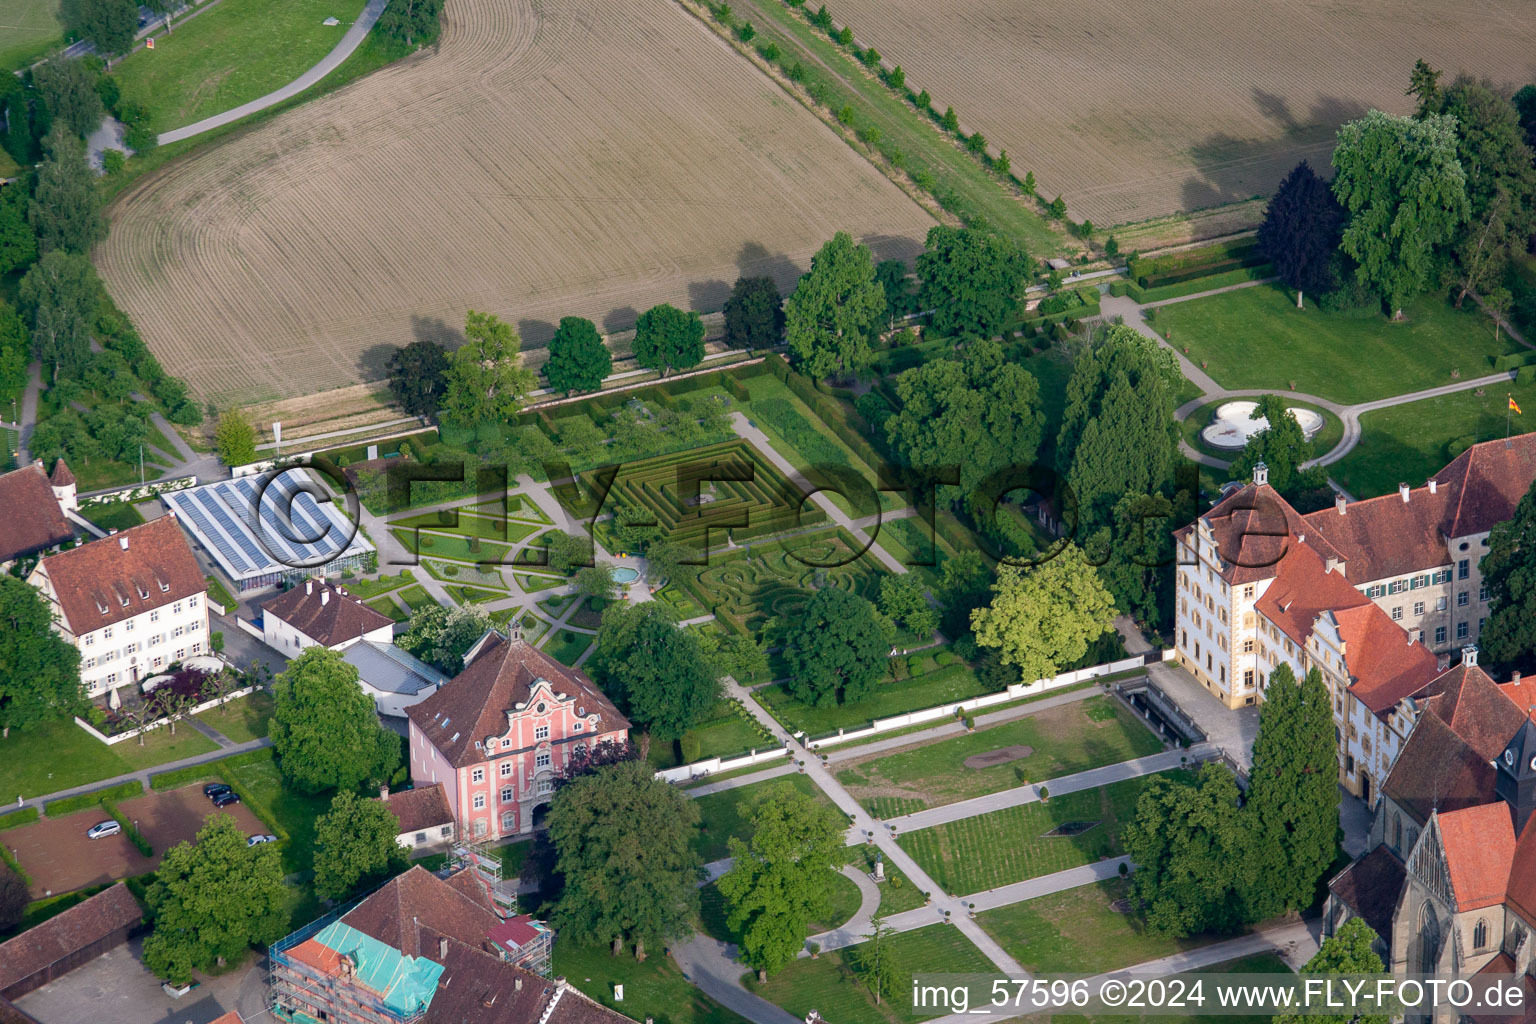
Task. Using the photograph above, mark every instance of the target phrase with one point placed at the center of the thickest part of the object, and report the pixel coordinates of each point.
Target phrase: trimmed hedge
(1188, 264)
(831, 412)
(1197, 285)
(5, 855)
(71, 804)
(261, 810)
(16, 819)
(182, 776)
(134, 835)
(1513, 360)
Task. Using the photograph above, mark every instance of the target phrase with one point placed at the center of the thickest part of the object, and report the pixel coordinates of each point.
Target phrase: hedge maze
(703, 495)
(747, 587)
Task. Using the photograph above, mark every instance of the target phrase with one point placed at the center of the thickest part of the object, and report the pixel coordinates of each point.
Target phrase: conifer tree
(1301, 231)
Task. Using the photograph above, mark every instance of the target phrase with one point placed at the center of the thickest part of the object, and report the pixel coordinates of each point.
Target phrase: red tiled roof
(118, 577)
(1480, 712)
(1479, 845)
(1304, 590)
(421, 808)
(61, 476)
(1386, 536)
(1505, 964)
(1522, 693)
(514, 931)
(31, 514)
(479, 988)
(1254, 528)
(1520, 890)
(1383, 662)
(474, 704)
(1438, 770)
(1487, 481)
(88, 921)
(398, 911)
(1370, 888)
(325, 613)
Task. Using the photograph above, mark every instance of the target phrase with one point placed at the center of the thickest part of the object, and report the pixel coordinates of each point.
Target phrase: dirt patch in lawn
(1002, 755)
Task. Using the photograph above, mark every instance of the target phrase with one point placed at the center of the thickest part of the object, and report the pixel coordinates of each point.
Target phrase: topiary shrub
(690, 747)
(944, 658)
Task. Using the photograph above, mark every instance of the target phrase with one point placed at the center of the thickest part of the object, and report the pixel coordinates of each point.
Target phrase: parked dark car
(226, 798)
(213, 789)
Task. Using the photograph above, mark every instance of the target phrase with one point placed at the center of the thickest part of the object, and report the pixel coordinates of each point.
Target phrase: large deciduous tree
(978, 415)
(754, 314)
(487, 381)
(442, 636)
(1043, 618)
(1300, 232)
(14, 898)
(972, 280)
(903, 601)
(356, 846)
(1293, 795)
(835, 309)
(1118, 435)
(58, 297)
(235, 439)
(67, 88)
(666, 338)
(623, 842)
(213, 900)
(1188, 842)
(1405, 191)
(578, 359)
(1138, 550)
(66, 210)
(324, 727)
(780, 879)
(835, 648)
(654, 670)
(110, 24)
(1350, 950)
(418, 377)
(18, 242)
(1509, 572)
(412, 22)
(39, 669)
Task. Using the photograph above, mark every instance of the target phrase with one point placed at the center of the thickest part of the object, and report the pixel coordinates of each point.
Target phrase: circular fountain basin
(1233, 424)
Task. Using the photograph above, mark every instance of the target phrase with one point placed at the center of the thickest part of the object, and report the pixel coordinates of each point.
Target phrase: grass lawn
(1409, 443)
(1322, 443)
(897, 893)
(241, 720)
(1070, 738)
(952, 683)
(654, 989)
(1259, 963)
(382, 585)
(1257, 338)
(1079, 932)
(415, 597)
(219, 593)
(61, 755)
(386, 605)
(29, 28)
(533, 584)
(112, 515)
(1011, 845)
(9, 441)
(295, 812)
(566, 646)
(721, 817)
(233, 53)
(727, 733)
(484, 527)
(830, 986)
(843, 902)
(440, 545)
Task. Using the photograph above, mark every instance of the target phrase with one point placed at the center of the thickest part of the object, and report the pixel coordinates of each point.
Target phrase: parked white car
(103, 829)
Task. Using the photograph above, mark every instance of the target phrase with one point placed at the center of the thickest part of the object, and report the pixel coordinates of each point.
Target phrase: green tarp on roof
(403, 983)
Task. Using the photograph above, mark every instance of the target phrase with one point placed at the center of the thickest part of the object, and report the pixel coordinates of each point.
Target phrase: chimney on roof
(309, 586)
(1260, 474)
(1339, 503)
(442, 947)
(1514, 677)
(1432, 484)
(517, 984)
(1469, 655)
(123, 541)
(325, 597)
(384, 792)
(1403, 490)
(38, 463)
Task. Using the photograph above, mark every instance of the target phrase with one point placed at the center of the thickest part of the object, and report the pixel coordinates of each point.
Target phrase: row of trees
(1442, 198)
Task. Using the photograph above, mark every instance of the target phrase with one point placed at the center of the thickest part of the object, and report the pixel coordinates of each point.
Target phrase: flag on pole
(1513, 405)
(149, 43)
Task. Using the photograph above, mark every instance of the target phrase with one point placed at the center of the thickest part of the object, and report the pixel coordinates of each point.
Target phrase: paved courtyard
(59, 858)
(116, 989)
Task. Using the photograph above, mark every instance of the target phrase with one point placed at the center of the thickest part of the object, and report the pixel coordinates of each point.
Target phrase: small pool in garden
(624, 574)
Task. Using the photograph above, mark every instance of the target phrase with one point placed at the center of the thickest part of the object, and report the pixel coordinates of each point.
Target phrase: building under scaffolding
(337, 973)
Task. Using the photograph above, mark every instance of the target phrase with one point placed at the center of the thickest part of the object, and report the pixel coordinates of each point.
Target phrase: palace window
(506, 794)
(1463, 569)
(1397, 613)
(541, 732)
(1462, 597)
(1441, 576)
(506, 769)
(1461, 631)
(479, 801)
(541, 759)
(478, 775)
(1418, 607)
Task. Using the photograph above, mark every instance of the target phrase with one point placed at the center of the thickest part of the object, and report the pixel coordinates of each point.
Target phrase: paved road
(330, 62)
(144, 774)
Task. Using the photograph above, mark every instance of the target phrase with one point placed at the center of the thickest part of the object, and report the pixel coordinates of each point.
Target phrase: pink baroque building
(497, 734)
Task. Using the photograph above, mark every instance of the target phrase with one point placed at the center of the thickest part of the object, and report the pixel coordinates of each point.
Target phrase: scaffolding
(525, 942)
(484, 861)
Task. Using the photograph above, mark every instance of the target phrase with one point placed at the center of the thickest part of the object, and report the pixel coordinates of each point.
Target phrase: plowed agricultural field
(1143, 109)
(588, 157)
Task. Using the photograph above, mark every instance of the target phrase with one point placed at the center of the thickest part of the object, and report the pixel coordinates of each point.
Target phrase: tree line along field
(542, 161)
(1143, 110)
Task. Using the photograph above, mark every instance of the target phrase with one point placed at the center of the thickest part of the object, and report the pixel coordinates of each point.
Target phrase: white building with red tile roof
(1373, 594)
(132, 603)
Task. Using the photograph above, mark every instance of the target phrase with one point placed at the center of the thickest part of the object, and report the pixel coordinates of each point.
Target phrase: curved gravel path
(330, 62)
(1131, 312)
